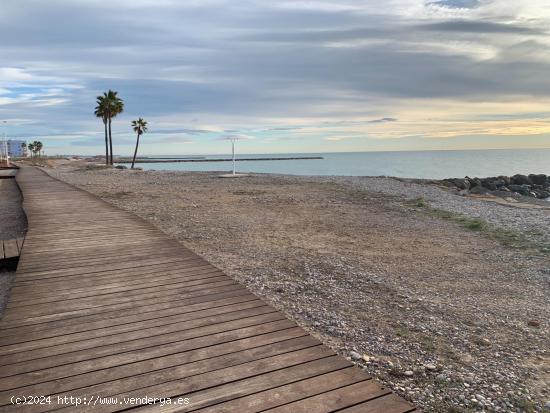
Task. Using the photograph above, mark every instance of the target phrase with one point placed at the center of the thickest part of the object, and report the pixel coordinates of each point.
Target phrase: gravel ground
(12, 225)
(535, 222)
(445, 316)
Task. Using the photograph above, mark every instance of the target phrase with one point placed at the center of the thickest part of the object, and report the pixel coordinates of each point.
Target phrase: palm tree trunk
(110, 144)
(106, 143)
(135, 152)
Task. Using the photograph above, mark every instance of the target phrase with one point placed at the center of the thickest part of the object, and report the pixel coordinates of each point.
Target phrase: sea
(410, 164)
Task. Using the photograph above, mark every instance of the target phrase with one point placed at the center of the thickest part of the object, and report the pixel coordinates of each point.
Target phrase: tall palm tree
(37, 147)
(140, 127)
(109, 106)
(31, 148)
(101, 111)
(24, 148)
(115, 106)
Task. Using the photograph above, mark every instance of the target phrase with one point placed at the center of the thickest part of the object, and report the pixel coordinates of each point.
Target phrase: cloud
(456, 4)
(293, 70)
(466, 26)
(383, 120)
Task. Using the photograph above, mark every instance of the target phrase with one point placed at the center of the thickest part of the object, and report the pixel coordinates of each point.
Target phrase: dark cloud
(456, 4)
(383, 120)
(467, 26)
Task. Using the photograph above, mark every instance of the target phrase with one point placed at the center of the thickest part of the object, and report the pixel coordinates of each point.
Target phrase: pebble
(355, 356)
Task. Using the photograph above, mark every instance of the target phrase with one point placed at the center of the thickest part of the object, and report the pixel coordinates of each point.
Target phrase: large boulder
(521, 180)
(538, 179)
(520, 189)
(462, 183)
(506, 179)
(474, 182)
(489, 183)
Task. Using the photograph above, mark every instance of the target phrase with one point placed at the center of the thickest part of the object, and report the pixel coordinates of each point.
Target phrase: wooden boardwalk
(105, 308)
(10, 248)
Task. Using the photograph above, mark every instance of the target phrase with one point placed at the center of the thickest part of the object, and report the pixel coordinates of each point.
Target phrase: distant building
(15, 150)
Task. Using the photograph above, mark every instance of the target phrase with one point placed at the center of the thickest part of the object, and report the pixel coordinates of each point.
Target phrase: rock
(520, 189)
(366, 358)
(483, 341)
(521, 180)
(121, 167)
(538, 179)
(355, 356)
(533, 323)
(479, 190)
(430, 367)
(462, 183)
(547, 405)
(474, 182)
(490, 183)
(506, 179)
(408, 373)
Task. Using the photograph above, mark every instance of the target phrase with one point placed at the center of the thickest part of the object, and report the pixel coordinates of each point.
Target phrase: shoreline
(364, 268)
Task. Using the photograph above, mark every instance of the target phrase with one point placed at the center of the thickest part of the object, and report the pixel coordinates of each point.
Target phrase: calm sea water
(422, 164)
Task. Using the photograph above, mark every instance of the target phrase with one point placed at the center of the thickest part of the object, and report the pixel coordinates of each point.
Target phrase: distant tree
(31, 148)
(36, 147)
(24, 147)
(101, 111)
(39, 147)
(140, 127)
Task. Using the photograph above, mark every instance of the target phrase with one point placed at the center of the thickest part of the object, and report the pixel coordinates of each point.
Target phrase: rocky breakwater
(535, 186)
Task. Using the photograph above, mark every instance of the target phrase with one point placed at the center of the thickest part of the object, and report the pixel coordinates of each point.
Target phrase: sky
(283, 76)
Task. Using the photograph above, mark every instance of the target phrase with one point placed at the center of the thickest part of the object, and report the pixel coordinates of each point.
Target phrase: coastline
(438, 311)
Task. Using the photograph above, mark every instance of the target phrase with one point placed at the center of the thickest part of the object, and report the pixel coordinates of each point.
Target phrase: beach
(445, 312)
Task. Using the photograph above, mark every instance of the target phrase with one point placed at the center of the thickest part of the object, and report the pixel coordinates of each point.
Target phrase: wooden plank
(20, 242)
(335, 399)
(272, 389)
(198, 376)
(2, 255)
(10, 248)
(388, 403)
(70, 331)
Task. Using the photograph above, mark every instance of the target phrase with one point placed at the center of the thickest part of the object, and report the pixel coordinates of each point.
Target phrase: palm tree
(109, 106)
(24, 148)
(38, 145)
(31, 148)
(115, 106)
(140, 127)
(101, 112)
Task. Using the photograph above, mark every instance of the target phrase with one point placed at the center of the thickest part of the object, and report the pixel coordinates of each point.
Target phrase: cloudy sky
(288, 76)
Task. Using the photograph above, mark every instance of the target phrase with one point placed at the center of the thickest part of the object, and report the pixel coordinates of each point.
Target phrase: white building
(15, 150)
